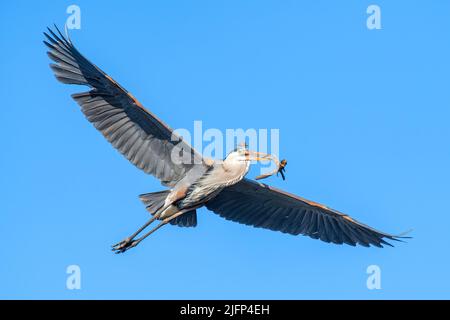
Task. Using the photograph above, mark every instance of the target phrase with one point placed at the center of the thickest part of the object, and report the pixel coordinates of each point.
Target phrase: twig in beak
(279, 169)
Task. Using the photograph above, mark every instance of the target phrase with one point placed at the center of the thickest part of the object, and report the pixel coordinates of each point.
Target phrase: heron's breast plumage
(212, 182)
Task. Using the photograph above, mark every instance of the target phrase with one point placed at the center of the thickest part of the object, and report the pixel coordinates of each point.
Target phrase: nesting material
(279, 169)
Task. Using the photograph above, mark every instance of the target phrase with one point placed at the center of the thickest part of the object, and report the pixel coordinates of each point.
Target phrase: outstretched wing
(256, 204)
(137, 133)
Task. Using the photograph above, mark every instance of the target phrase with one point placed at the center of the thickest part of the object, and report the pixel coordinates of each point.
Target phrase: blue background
(363, 118)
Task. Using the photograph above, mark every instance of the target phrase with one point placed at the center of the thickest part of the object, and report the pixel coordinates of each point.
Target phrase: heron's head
(241, 153)
(238, 154)
(238, 161)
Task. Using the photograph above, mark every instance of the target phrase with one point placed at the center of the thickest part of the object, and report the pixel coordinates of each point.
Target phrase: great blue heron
(221, 187)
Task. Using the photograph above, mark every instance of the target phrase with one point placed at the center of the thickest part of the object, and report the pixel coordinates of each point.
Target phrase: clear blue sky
(364, 122)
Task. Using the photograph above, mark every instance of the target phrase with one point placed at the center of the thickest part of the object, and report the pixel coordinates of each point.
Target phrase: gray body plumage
(219, 176)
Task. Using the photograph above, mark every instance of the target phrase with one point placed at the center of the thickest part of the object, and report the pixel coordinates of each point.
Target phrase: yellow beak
(258, 156)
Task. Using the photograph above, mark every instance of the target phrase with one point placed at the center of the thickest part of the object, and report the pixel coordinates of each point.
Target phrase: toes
(121, 243)
(118, 244)
(125, 245)
(119, 250)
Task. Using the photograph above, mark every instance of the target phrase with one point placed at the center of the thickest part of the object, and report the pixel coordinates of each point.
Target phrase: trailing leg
(134, 243)
(125, 243)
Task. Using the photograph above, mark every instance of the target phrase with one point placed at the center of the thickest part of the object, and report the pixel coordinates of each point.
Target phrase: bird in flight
(193, 181)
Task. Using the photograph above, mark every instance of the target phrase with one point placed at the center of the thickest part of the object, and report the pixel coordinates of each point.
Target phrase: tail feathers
(155, 200)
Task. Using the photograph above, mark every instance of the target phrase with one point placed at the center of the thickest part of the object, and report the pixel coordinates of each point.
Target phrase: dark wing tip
(58, 36)
(399, 238)
(402, 235)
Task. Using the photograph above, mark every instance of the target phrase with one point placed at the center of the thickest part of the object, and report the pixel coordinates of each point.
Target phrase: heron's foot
(124, 245)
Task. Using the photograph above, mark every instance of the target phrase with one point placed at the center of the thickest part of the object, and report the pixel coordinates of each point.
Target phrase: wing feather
(135, 132)
(259, 205)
